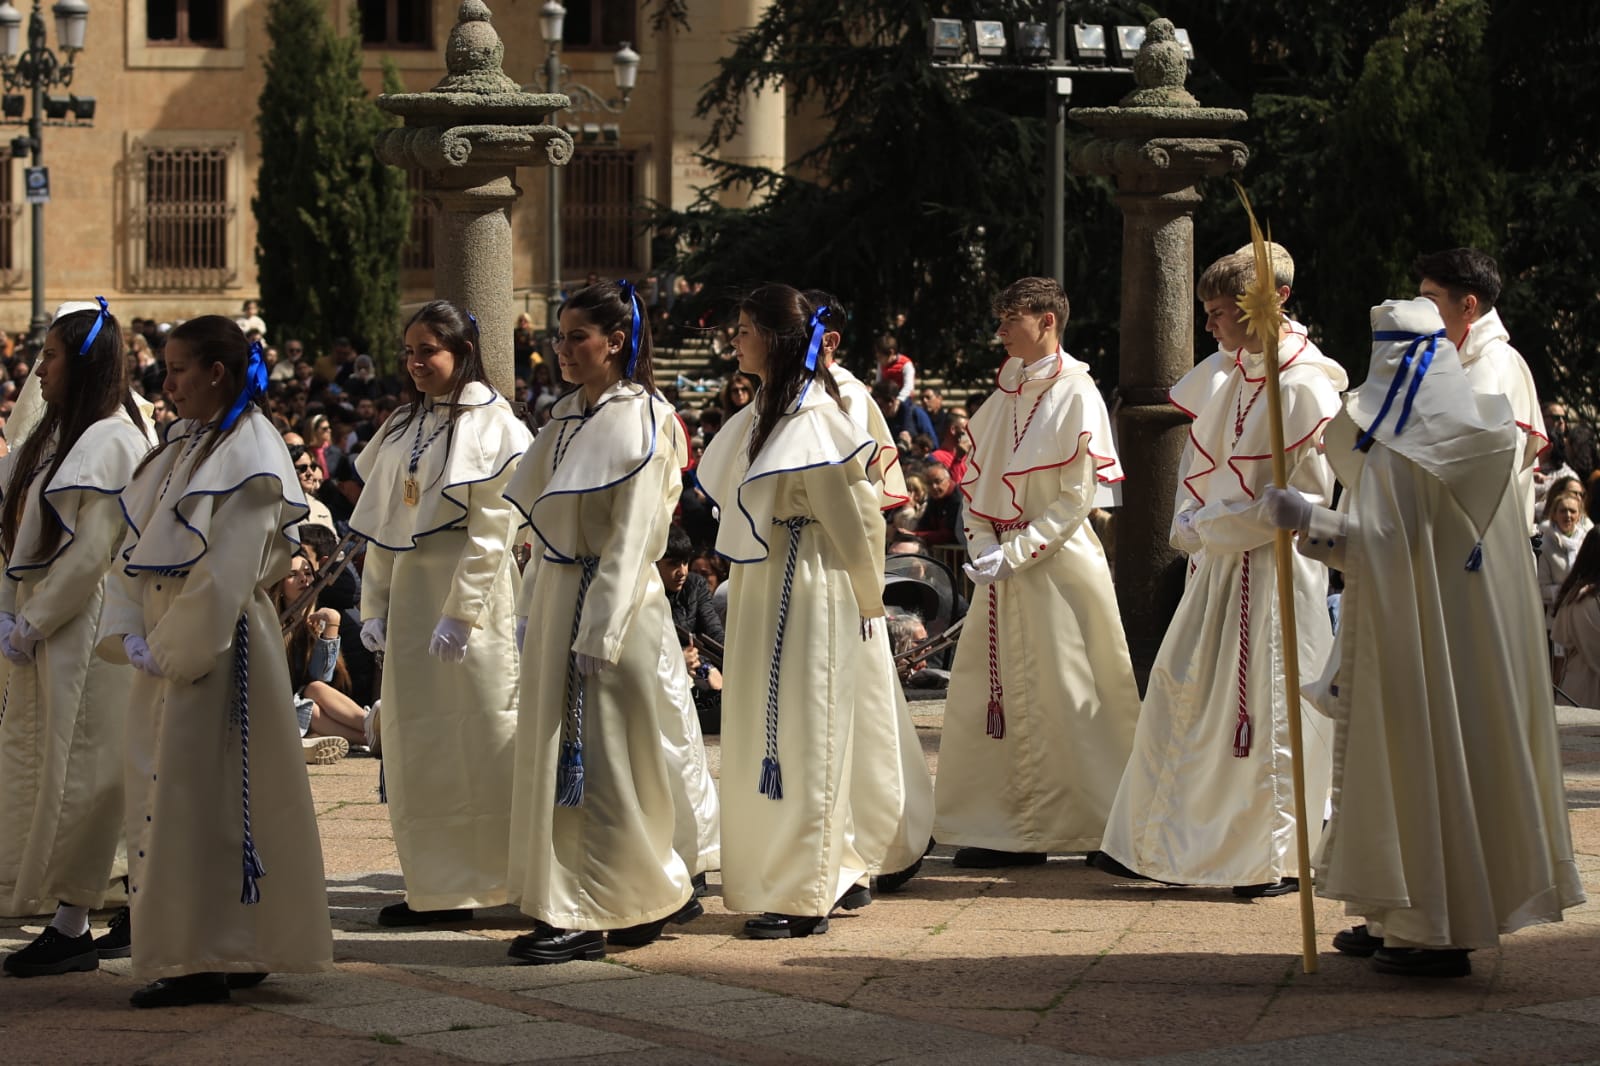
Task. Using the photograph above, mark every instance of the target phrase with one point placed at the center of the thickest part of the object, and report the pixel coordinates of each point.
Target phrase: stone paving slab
(530, 1041)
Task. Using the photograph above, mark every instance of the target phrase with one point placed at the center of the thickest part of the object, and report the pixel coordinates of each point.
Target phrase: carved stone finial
(1160, 70)
(474, 55)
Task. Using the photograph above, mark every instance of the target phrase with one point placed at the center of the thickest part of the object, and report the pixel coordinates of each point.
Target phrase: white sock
(71, 921)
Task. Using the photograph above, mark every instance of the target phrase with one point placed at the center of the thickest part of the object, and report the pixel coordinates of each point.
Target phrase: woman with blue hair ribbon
(800, 522)
(437, 597)
(593, 819)
(1449, 825)
(61, 737)
(224, 862)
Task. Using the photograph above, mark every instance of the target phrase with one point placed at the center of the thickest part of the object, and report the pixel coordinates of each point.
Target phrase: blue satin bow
(99, 321)
(818, 329)
(255, 386)
(631, 294)
(1422, 365)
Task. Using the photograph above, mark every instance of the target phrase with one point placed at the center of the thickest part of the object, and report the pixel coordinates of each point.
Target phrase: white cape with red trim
(884, 470)
(1189, 809)
(1495, 368)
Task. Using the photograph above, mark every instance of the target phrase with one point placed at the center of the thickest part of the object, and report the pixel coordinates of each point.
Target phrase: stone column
(1154, 145)
(760, 140)
(468, 135)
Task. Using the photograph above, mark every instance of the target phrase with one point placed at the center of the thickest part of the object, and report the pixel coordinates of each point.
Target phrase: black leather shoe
(855, 897)
(896, 882)
(544, 946)
(117, 943)
(990, 859)
(1284, 887)
(52, 952)
(784, 927)
(699, 883)
(400, 915)
(1106, 864)
(1358, 942)
(637, 936)
(240, 981)
(1423, 962)
(185, 991)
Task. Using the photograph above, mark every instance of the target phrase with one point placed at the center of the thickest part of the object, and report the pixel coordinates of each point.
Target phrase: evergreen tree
(331, 217)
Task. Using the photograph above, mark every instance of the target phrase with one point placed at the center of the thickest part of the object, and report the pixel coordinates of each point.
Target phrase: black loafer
(1284, 887)
(856, 897)
(784, 927)
(117, 943)
(1358, 942)
(637, 936)
(53, 952)
(990, 859)
(400, 915)
(1423, 962)
(239, 981)
(185, 991)
(546, 946)
(896, 882)
(699, 883)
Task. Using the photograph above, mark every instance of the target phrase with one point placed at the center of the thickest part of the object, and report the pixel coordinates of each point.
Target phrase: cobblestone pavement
(1052, 964)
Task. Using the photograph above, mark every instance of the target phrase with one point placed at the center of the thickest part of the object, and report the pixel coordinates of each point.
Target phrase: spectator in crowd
(906, 420)
(895, 368)
(699, 626)
(933, 403)
(294, 351)
(1577, 625)
(1566, 524)
(909, 514)
(736, 394)
(1572, 443)
(330, 721)
(942, 515)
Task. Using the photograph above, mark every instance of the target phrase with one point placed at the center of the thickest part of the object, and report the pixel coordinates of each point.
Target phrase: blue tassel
(771, 785)
(1475, 560)
(569, 777)
(252, 870)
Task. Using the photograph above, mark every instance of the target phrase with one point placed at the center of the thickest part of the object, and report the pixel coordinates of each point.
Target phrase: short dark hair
(1462, 271)
(679, 547)
(1034, 296)
(319, 539)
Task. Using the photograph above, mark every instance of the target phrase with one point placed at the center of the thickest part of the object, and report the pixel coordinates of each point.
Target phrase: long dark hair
(214, 340)
(96, 385)
(457, 331)
(299, 642)
(1585, 572)
(783, 318)
(606, 307)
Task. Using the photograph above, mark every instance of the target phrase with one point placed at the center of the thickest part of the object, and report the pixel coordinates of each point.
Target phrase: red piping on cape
(976, 470)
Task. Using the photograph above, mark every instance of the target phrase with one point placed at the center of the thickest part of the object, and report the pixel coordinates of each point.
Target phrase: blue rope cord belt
(569, 772)
(771, 783)
(241, 713)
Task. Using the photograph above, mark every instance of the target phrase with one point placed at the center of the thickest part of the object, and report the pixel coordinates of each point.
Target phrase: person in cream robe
(593, 814)
(61, 737)
(438, 597)
(1207, 797)
(216, 781)
(801, 524)
(1042, 703)
(1449, 823)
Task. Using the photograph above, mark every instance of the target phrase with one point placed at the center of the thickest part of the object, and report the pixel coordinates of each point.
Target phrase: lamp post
(36, 70)
(557, 79)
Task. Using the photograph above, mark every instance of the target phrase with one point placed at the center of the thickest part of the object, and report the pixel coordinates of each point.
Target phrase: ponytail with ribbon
(255, 386)
(99, 322)
(819, 329)
(631, 294)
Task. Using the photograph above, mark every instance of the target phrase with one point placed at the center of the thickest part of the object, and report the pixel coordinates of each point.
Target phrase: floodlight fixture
(56, 107)
(947, 39)
(989, 38)
(12, 105)
(83, 108)
(1184, 43)
(1126, 41)
(1089, 44)
(611, 133)
(1033, 41)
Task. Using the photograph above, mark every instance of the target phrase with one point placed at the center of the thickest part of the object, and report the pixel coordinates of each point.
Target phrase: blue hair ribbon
(631, 294)
(1406, 362)
(473, 319)
(255, 386)
(94, 331)
(818, 329)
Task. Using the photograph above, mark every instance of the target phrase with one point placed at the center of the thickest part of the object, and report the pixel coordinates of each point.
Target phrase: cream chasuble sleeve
(613, 599)
(1328, 536)
(8, 594)
(1045, 535)
(491, 521)
(123, 613)
(979, 531)
(376, 574)
(74, 576)
(1239, 526)
(847, 507)
(197, 628)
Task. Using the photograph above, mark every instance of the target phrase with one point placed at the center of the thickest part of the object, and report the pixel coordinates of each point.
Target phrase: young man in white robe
(1449, 819)
(1464, 284)
(1042, 701)
(1207, 798)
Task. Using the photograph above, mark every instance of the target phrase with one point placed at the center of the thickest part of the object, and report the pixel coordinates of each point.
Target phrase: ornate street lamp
(557, 79)
(36, 69)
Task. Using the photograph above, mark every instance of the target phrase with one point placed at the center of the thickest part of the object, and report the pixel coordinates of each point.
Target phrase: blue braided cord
(569, 771)
(255, 386)
(631, 294)
(99, 321)
(771, 783)
(241, 707)
(1365, 440)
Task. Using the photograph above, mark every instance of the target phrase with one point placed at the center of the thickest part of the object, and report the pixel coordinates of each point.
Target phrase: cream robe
(1189, 809)
(795, 855)
(61, 740)
(1577, 629)
(696, 809)
(1069, 699)
(206, 543)
(449, 729)
(1494, 368)
(891, 791)
(598, 484)
(1449, 816)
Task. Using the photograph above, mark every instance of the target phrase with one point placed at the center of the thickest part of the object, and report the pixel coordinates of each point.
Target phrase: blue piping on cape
(283, 530)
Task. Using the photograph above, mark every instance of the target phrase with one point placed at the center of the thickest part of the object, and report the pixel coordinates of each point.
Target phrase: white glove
(374, 635)
(590, 665)
(19, 641)
(1184, 537)
(8, 622)
(11, 652)
(449, 640)
(1286, 508)
(139, 655)
(982, 569)
(522, 633)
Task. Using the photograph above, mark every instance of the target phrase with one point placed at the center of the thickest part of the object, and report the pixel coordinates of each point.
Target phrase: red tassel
(1241, 737)
(997, 720)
